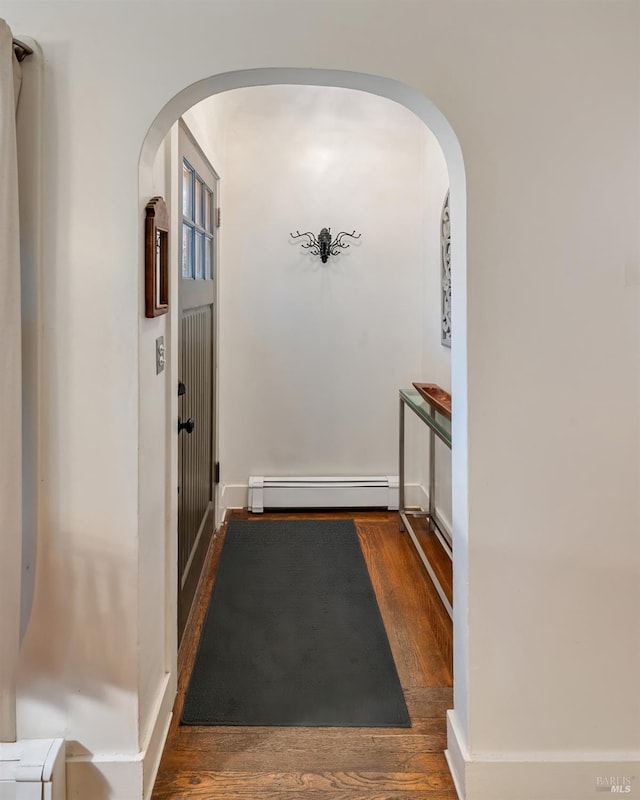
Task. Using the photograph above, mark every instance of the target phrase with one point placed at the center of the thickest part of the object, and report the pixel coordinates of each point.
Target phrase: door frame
(173, 168)
(212, 515)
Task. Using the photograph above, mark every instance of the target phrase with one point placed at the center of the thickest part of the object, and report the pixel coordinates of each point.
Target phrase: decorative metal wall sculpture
(445, 260)
(324, 246)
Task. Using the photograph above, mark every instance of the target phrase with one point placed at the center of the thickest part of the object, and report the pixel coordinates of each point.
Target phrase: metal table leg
(432, 477)
(404, 513)
(401, 467)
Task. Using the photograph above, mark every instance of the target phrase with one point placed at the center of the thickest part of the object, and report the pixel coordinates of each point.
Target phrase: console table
(432, 406)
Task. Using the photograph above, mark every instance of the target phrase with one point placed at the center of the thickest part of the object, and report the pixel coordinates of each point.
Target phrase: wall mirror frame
(156, 272)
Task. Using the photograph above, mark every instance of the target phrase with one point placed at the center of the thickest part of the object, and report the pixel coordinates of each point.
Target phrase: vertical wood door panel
(197, 403)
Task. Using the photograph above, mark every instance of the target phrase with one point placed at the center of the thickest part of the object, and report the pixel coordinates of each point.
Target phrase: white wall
(312, 355)
(208, 121)
(154, 506)
(544, 100)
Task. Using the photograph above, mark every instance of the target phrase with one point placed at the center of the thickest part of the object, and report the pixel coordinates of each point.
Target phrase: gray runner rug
(293, 634)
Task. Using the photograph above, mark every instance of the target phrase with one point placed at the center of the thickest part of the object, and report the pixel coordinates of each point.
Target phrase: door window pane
(187, 251)
(199, 253)
(208, 258)
(187, 190)
(208, 211)
(198, 226)
(199, 201)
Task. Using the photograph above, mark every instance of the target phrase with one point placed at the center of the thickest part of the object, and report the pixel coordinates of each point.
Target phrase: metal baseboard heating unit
(323, 492)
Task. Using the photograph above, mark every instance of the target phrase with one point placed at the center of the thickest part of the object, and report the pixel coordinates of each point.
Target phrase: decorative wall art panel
(445, 250)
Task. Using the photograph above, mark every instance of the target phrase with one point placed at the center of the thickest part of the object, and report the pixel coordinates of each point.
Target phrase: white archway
(433, 118)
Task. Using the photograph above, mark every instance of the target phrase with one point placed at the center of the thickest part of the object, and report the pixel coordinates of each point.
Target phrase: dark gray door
(196, 440)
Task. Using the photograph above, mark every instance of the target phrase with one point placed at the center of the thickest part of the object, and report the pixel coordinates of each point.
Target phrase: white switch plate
(161, 356)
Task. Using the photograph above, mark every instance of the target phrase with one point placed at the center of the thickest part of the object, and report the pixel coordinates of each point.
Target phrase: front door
(196, 438)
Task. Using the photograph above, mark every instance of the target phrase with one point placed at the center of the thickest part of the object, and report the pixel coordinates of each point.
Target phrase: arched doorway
(439, 126)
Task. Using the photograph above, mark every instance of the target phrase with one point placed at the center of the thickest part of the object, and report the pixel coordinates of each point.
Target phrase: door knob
(187, 426)
(182, 389)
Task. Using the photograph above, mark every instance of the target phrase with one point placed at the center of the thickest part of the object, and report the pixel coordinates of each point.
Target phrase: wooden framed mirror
(156, 260)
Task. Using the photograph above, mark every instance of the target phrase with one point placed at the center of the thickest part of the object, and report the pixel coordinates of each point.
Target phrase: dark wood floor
(265, 763)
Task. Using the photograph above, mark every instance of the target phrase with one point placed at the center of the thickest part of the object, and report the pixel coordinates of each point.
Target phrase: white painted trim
(544, 779)
(237, 496)
(174, 171)
(233, 496)
(456, 753)
(108, 775)
(125, 774)
(33, 768)
(445, 523)
(157, 734)
(534, 775)
(417, 496)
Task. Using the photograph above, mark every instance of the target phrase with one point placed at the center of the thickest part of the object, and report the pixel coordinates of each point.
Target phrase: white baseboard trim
(237, 496)
(538, 776)
(158, 730)
(124, 776)
(234, 496)
(456, 753)
(109, 776)
(417, 496)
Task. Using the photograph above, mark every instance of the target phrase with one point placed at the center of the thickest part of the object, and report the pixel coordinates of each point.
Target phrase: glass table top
(437, 421)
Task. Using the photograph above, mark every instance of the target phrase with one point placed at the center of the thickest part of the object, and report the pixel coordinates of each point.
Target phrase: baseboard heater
(323, 492)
